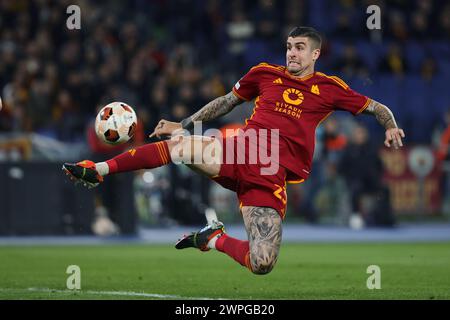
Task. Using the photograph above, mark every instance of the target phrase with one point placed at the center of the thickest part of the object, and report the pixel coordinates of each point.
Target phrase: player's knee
(262, 266)
(181, 149)
(262, 269)
(190, 150)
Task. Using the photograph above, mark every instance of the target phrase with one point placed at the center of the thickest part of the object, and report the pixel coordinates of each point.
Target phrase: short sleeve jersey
(295, 106)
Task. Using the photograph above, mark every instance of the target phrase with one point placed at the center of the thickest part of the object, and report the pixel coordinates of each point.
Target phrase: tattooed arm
(212, 110)
(386, 118)
(216, 108)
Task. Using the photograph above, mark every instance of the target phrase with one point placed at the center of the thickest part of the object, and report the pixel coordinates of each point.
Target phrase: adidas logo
(278, 81)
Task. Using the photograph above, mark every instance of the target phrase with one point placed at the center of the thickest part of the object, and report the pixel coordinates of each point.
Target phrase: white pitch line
(116, 293)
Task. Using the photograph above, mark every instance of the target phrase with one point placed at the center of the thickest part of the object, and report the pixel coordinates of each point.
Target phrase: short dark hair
(309, 33)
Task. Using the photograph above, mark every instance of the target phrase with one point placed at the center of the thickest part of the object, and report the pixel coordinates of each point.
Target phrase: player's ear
(316, 54)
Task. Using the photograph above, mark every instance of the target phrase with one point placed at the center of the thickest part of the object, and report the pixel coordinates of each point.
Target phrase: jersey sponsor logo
(278, 81)
(315, 89)
(293, 96)
(292, 99)
(237, 85)
(288, 109)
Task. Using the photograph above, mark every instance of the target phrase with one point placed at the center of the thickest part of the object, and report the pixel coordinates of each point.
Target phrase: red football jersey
(295, 106)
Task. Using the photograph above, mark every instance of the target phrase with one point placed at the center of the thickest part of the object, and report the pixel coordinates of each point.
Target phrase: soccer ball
(115, 123)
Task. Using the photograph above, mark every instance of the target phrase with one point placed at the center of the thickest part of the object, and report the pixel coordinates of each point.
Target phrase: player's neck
(303, 73)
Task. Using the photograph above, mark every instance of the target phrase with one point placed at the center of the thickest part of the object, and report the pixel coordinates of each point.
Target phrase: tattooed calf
(264, 231)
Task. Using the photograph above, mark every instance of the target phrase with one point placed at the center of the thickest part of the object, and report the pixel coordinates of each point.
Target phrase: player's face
(300, 55)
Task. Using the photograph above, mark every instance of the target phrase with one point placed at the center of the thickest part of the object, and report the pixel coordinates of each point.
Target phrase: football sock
(212, 242)
(236, 249)
(148, 156)
(102, 168)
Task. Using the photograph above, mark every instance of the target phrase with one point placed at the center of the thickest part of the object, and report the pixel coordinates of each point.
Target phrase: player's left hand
(166, 128)
(394, 137)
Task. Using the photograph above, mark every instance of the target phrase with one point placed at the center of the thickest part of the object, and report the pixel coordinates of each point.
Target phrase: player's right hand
(165, 128)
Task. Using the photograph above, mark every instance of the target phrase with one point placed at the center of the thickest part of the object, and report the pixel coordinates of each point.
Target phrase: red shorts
(252, 187)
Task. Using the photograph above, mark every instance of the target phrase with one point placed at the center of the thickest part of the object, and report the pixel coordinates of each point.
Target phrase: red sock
(144, 157)
(236, 249)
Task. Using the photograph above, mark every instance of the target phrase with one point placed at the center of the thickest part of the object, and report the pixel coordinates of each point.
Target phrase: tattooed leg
(264, 230)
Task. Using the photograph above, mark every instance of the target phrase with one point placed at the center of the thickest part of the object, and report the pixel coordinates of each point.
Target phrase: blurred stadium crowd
(169, 58)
